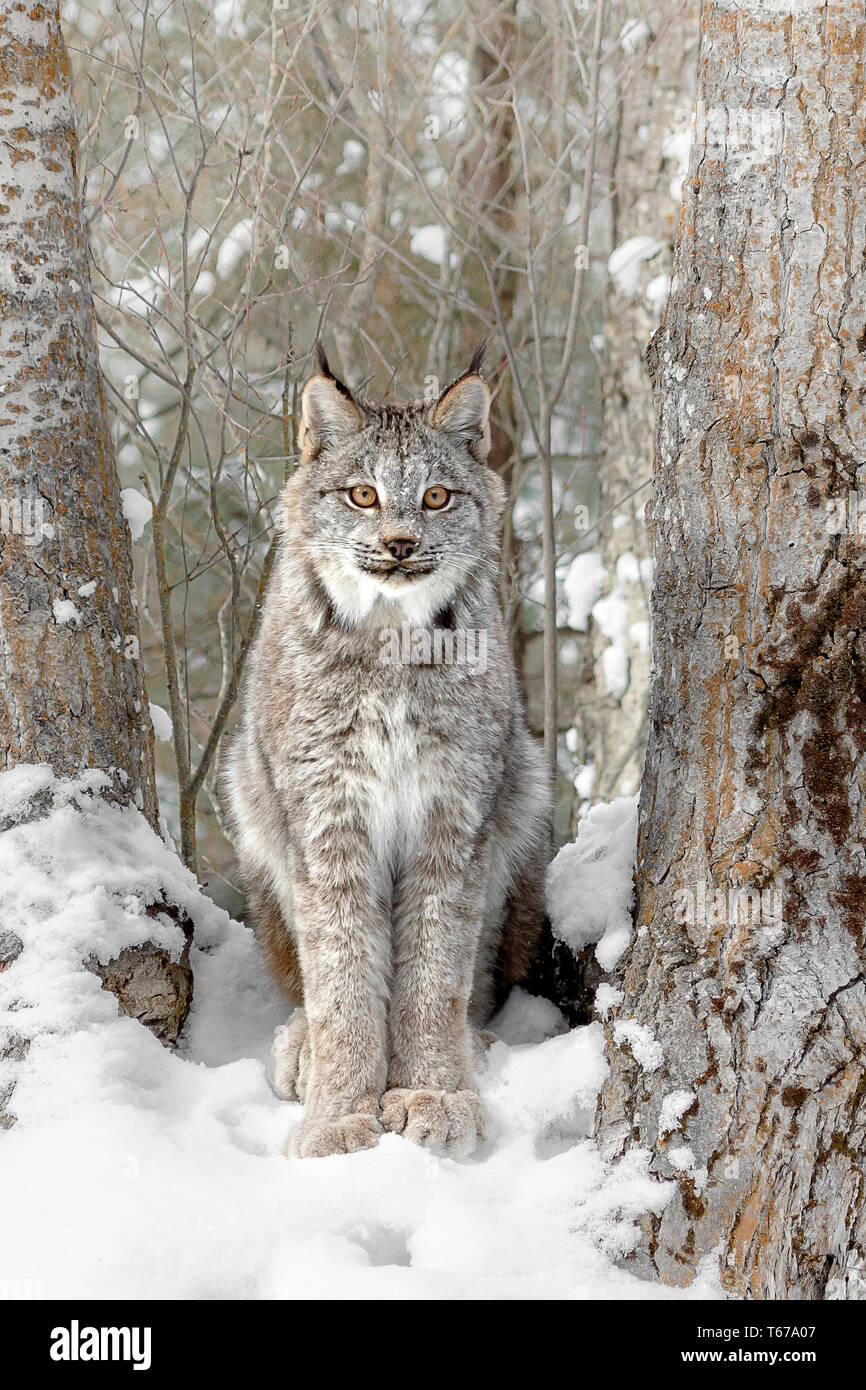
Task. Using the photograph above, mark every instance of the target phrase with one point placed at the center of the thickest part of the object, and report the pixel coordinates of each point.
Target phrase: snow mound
(161, 720)
(624, 262)
(582, 585)
(75, 883)
(429, 242)
(524, 1018)
(645, 1047)
(234, 247)
(633, 35)
(65, 611)
(589, 884)
(143, 1173)
(674, 1106)
(137, 509)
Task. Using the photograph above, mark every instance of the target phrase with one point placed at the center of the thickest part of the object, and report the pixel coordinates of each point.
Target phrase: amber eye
(436, 497)
(363, 495)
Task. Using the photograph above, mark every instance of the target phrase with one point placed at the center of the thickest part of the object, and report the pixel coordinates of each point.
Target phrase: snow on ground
(134, 1172)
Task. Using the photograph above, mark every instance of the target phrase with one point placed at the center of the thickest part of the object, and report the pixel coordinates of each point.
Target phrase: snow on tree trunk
(650, 133)
(737, 1050)
(71, 680)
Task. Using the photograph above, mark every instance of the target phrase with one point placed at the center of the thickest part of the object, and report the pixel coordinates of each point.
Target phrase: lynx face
(395, 505)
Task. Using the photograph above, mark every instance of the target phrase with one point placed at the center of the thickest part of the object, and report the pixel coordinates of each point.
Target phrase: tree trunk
(71, 679)
(743, 993)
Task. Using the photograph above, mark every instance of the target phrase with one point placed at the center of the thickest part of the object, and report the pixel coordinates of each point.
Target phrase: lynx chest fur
(390, 809)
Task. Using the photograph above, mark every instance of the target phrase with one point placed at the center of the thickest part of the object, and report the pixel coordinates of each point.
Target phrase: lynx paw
(346, 1135)
(291, 1056)
(449, 1120)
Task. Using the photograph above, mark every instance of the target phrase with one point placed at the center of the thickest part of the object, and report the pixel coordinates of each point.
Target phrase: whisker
(425, 562)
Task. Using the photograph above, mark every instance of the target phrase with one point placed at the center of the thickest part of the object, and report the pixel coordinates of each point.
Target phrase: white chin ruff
(355, 594)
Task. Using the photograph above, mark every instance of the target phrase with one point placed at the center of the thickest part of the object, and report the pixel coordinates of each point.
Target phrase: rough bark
(71, 683)
(756, 764)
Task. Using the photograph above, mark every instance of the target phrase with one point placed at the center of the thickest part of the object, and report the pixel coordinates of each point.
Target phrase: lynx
(391, 810)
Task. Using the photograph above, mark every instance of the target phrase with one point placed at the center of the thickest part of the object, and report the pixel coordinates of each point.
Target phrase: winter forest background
(404, 182)
(655, 213)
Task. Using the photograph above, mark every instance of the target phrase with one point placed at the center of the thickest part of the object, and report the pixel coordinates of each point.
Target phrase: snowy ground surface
(132, 1172)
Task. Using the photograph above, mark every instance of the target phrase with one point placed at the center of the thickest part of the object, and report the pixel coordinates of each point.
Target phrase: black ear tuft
(463, 412)
(322, 359)
(325, 370)
(478, 359)
(329, 411)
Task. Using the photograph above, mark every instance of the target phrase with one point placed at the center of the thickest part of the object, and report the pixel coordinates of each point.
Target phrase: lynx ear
(329, 413)
(463, 411)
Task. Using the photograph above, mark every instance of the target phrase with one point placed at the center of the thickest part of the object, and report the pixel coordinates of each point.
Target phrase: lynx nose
(401, 547)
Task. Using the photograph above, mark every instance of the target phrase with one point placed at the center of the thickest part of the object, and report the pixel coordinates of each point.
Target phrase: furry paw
(453, 1121)
(346, 1135)
(291, 1056)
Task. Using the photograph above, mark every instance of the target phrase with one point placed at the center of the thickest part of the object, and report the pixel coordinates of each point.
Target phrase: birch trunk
(743, 993)
(71, 679)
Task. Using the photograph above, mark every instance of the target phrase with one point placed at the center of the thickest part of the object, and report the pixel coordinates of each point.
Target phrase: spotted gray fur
(391, 820)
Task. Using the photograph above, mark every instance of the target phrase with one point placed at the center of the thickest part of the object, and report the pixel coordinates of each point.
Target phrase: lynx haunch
(391, 818)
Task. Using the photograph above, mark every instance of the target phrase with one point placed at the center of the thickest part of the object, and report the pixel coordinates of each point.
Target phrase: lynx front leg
(431, 1095)
(343, 938)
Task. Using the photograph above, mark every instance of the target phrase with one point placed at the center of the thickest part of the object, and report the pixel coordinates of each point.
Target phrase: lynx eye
(363, 495)
(435, 498)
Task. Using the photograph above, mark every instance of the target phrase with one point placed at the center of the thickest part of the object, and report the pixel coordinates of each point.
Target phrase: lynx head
(395, 505)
